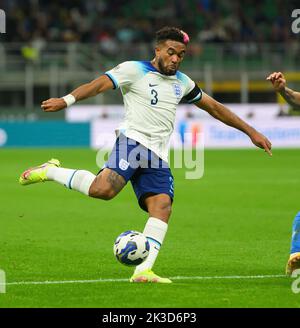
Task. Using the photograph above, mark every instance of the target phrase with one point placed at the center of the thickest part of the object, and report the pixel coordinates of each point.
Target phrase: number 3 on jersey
(154, 99)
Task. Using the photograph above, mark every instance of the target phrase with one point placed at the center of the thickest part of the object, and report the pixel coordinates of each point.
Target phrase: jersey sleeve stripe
(114, 81)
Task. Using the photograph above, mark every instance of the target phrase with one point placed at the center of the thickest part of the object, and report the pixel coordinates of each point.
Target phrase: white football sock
(155, 231)
(79, 180)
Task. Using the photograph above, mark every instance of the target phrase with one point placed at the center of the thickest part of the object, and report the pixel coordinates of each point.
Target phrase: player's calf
(159, 206)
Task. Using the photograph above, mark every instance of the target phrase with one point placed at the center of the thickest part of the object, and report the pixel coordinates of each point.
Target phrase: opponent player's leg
(105, 185)
(294, 260)
(159, 209)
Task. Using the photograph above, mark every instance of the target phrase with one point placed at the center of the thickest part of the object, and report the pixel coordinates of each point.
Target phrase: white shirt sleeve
(124, 74)
(189, 85)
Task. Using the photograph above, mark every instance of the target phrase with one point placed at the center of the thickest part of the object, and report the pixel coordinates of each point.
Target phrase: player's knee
(101, 192)
(166, 208)
(107, 194)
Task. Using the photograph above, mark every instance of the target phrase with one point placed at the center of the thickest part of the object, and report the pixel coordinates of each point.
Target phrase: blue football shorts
(148, 174)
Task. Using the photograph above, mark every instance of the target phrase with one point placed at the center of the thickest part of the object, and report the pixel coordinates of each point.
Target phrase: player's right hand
(261, 141)
(53, 105)
(278, 80)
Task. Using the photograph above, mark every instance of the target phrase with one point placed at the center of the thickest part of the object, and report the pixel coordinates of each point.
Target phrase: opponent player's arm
(292, 97)
(87, 90)
(223, 114)
(279, 83)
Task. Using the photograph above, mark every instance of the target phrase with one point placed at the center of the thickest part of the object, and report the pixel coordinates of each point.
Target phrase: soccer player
(151, 90)
(293, 98)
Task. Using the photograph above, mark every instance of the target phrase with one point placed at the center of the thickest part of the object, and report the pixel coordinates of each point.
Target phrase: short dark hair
(171, 33)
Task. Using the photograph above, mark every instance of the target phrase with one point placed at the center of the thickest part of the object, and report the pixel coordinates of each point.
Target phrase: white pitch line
(228, 277)
(53, 282)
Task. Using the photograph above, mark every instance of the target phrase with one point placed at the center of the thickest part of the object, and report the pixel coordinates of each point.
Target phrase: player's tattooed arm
(223, 114)
(116, 181)
(292, 97)
(279, 84)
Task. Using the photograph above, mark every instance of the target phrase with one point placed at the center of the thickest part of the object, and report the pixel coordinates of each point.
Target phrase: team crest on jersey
(177, 90)
(123, 164)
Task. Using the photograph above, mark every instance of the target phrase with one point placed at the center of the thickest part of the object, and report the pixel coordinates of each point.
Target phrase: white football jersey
(150, 100)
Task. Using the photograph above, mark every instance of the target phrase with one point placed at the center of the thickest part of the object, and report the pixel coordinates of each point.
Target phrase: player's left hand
(261, 141)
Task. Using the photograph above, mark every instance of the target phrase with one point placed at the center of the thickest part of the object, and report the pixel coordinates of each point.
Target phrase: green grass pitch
(234, 222)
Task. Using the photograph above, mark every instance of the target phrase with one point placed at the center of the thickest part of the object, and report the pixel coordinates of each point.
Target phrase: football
(131, 248)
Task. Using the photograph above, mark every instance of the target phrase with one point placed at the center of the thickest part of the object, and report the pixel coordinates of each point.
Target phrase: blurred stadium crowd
(130, 21)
